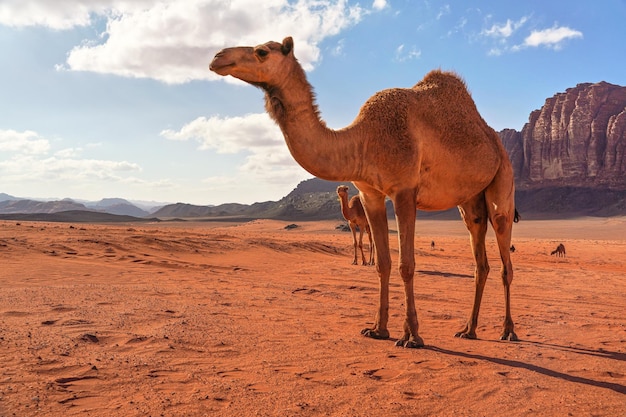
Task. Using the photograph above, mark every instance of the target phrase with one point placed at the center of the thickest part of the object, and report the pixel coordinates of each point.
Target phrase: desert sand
(252, 319)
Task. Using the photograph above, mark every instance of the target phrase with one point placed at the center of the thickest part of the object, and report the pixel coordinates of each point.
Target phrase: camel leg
(363, 261)
(405, 207)
(353, 230)
(374, 205)
(474, 214)
(501, 205)
(372, 247)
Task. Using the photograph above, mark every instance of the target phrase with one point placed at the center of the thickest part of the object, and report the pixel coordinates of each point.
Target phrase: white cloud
(379, 4)
(504, 30)
(173, 41)
(267, 160)
(339, 48)
(30, 168)
(495, 52)
(27, 142)
(505, 39)
(552, 37)
(404, 54)
(68, 153)
(443, 11)
(230, 134)
(29, 161)
(55, 15)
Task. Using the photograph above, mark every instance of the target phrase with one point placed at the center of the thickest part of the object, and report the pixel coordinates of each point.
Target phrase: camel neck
(345, 207)
(326, 153)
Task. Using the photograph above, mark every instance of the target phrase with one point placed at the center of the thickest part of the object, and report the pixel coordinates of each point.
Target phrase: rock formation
(578, 138)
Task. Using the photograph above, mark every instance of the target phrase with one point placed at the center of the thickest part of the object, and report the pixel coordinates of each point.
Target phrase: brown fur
(424, 147)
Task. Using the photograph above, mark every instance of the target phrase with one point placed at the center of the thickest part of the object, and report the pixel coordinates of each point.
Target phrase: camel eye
(262, 53)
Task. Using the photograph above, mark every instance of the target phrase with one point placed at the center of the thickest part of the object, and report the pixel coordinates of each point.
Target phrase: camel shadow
(545, 371)
(444, 274)
(599, 353)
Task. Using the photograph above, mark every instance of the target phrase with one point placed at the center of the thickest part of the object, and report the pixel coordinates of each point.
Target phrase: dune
(252, 319)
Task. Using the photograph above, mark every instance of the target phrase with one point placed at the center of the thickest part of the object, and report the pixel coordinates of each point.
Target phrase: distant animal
(354, 213)
(559, 251)
(424, 147)
(432, 245)
(512, 249)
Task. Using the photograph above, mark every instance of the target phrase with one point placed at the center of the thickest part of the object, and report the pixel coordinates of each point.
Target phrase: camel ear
(287, 45)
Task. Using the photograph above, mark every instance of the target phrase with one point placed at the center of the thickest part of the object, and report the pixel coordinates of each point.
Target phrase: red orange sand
(227, 319)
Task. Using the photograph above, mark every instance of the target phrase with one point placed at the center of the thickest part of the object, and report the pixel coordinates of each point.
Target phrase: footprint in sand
(259, 387)
(382, 374)
(378, 374)
(233, 373)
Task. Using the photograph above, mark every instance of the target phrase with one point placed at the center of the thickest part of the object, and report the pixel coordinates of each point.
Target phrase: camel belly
(441, 189)
(435, 200)
(447, 177)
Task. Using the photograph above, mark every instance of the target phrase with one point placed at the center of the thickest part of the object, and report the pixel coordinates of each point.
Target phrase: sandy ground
(203, 319)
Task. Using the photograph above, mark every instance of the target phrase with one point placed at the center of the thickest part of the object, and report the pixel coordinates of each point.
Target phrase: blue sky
(110, 98)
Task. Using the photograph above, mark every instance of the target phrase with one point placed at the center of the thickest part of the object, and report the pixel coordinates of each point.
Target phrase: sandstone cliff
(578, 138)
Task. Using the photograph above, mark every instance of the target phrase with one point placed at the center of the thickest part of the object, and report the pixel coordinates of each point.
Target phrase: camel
(355, 215)
(559, 251)
(424, 147)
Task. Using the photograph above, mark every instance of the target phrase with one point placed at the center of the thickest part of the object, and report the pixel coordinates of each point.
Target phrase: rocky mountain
(32, 206)
(311, 199)
(5, 197)
(118, 206)
(577, 139)
(191, 210)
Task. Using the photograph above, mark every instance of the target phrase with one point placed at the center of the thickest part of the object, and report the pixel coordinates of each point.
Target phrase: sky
(113, 98)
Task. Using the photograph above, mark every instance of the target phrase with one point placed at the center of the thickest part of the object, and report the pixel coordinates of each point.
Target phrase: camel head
(342, 190)
(263, 65)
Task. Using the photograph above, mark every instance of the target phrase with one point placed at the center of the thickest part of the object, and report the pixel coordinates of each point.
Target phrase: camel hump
(448, 108)
(442, 81)
(448, 92)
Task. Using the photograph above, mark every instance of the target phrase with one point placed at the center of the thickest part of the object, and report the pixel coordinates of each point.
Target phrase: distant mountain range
(569, 160)
(10, 204)
(313, 199)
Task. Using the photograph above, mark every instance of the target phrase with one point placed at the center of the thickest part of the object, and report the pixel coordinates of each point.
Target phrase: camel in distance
(559, 251)
(424, 147)
(352, 210)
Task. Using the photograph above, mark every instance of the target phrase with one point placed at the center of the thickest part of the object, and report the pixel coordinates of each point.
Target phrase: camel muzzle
(220, 63)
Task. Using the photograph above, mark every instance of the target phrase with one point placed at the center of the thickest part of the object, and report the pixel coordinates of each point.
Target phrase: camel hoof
(375, 334)
(410, 344)
(465, 335)
(510, 336)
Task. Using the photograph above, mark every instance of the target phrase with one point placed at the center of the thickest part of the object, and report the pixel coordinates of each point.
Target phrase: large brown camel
(354, 213)
(424, 147)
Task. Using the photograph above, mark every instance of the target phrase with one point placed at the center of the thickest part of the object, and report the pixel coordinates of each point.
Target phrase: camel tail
(516, 217)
